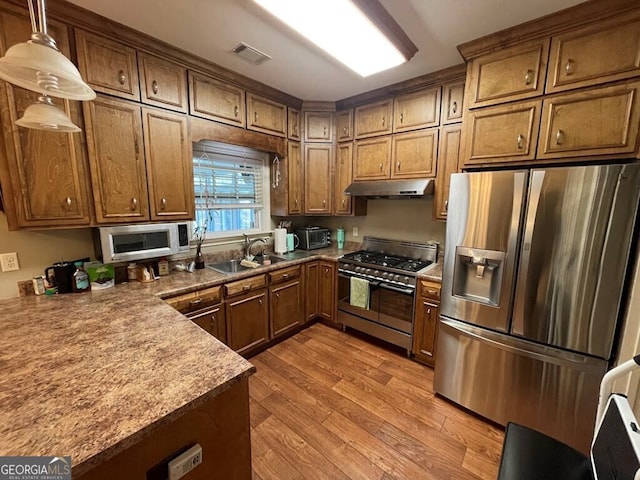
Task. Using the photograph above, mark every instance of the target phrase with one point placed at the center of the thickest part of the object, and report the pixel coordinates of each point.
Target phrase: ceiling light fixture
(39, 66)
(359, 33)
(44, 115)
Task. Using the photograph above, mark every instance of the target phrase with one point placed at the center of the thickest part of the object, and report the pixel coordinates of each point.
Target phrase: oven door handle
(372, 283)
(408, 291)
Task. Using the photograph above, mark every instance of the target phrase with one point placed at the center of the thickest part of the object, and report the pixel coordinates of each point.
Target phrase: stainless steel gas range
(388, 270)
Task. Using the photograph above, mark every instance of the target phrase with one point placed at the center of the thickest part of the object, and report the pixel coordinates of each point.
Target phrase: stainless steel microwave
(313, 237)
(125, 243)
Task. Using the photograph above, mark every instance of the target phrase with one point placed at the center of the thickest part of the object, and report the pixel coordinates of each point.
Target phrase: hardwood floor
(329, 405)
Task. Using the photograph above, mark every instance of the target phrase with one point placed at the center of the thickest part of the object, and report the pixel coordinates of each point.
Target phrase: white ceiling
(210, 29)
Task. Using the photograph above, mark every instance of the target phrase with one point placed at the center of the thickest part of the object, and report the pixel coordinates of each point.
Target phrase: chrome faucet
(249, 243)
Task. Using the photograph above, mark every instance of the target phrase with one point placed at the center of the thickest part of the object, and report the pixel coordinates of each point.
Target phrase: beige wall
(37, 250)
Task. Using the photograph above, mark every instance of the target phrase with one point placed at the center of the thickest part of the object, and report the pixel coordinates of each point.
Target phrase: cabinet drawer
(593, 55)
(429, 289)
(163, 83)
(190, 302)
(598, 122)
(502, 134)
(318, 127)
(373, 119)
(452, 102)
(372, 159)
(245, 285)
(344, 122)
(267, 116)
(509, 74)
(284, 275)
(416, 110)
(215, 100)
(413, 154)
(108, 66)
(293, 122)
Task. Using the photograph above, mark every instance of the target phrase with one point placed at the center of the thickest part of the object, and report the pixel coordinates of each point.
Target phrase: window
(230, 192)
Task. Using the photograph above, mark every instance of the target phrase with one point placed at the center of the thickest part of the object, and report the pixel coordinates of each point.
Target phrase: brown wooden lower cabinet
(212, 320)
(426, 318)
(327, 291)
(312, 304)
(286, 310)
(247, 321)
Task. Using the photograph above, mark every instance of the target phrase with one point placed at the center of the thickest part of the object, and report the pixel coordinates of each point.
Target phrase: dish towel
(359, 293)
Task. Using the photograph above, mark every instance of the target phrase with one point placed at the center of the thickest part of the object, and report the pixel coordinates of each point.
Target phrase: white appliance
(125, 243)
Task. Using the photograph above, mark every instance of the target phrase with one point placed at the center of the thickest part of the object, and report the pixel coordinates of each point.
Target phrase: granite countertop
(89, 375)
(434, 273)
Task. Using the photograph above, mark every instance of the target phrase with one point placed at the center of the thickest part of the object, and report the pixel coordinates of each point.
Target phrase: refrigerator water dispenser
(477, 275)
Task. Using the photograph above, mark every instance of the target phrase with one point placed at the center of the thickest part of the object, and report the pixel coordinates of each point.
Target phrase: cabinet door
(212, 321)
(116, 157)
(312, 287)
(216, 100)
(317, 178)
(108, 66)
(344, 167)
(508, 74)
(327, 291)
(373, 119)
(164, 84)
(295, 178)
(169, 165)
(502, 134)
(344, 121)
(318, 127)
(603, 52)
(426, 331)
(267, 116)
(452, 102)
(597, 122)
(286, 308)
(448, 156)
(372, 159)
(45, 172)
(247, 321)
(413, 154)
(293, 120)
(416, 110)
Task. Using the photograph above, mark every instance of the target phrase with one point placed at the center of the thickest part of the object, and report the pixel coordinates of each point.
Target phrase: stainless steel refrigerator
(534, 274)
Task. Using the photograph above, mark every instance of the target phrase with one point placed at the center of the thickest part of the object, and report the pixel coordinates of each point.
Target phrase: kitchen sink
(232, 266)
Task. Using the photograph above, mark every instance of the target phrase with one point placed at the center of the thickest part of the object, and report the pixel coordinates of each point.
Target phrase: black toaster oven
(313, 237)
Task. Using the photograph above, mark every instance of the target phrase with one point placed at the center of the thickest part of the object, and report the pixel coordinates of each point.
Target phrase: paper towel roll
(280, 240)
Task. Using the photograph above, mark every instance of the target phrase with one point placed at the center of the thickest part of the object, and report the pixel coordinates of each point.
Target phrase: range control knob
(406, 280)
(396, 278)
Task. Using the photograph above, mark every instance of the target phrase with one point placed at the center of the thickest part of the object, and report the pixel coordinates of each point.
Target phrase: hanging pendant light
(39, 66)
(44, 115)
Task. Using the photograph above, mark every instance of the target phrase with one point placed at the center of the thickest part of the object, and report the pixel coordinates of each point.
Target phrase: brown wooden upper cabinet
(374, 119)
(448, 156)
(372, 159)
(509, 74)
(344, 173)
(47, 171)
(344, 120)
(318, 127)
(596, 122)
(169, 165)
(318, 159)
(602, 52)
(294, 180)
(215, 100)
(414, 154)
(266, 116)
(108, 66)
(452, 102)
(293, 120)
(116, 156)
(506, 133)
(163, 84)
(416, 110)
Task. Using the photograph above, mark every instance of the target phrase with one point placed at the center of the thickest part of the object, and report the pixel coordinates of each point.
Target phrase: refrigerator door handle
(535, 191)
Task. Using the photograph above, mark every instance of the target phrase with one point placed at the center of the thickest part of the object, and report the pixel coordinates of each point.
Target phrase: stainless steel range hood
(415, 188)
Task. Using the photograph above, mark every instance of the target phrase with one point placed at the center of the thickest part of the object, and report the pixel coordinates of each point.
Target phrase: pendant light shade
(44, 115)
(42, 68)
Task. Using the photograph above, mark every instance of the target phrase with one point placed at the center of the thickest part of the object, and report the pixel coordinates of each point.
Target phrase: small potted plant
(198, 235)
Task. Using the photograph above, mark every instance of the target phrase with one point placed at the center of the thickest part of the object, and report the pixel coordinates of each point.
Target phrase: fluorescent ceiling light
(340, 29)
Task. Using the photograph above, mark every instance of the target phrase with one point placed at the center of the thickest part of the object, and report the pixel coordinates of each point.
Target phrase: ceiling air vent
(250, 54)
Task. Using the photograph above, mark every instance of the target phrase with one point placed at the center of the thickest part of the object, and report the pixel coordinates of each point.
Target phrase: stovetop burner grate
(380, 259)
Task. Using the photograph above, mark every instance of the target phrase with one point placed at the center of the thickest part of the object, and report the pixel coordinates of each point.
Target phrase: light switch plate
(9, 262)
(355, 231)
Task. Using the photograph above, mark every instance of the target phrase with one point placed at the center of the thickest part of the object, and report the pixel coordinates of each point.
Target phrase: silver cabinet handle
(246, 287)
(324, 131)
(285, 276)
(401, 118)
(163, 203)
(454, 107)
(295, 129)
(260, 302)
(134, 203)
(428, 311)
(569, 67)
(380, 166)
(236, 110)
(295, 202)
(197, 301)
(383, 119)
(398, 166)
(324, 203)
(559, 137)
(277, 296)
(345, 131)
(520, 141)
(528, 77)
(68, 201)
(154, 86)
(446, 205)
(344, 202)
(122, 78)
(214, 322)
(326, 271)
(255, 116)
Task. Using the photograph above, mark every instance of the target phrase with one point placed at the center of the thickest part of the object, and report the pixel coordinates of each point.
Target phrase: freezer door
(575, 252)
(507, 379)
(483, 225)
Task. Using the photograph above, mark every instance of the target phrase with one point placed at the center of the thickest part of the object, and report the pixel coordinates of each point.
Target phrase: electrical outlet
(9, 262)
(355, 231)
(184, 463)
